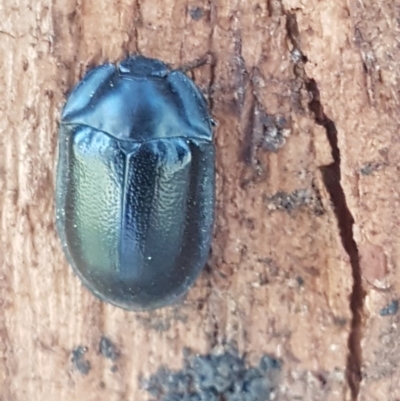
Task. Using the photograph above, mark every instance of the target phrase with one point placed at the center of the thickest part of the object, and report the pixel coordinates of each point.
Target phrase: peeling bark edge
(331, 175)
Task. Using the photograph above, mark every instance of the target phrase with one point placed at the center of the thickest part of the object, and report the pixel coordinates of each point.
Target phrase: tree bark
(304, 262)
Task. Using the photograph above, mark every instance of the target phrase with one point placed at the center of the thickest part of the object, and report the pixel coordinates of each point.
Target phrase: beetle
(135, 187)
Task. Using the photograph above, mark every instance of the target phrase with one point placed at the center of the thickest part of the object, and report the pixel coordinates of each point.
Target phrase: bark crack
(7, 34)
(332, 179)
(213, 62)
(137, 23)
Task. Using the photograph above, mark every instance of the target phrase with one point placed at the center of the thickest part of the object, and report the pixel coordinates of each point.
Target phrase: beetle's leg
(207, 58)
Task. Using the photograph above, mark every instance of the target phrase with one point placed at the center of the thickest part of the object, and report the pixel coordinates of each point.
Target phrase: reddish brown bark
(306, 248)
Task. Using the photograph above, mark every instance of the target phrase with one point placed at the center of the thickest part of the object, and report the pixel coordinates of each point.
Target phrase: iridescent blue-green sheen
(136, 183)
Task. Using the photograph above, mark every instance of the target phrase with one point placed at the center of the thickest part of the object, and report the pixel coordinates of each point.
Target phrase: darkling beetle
(136, 183)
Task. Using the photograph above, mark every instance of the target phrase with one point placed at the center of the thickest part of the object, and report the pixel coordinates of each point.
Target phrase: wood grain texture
(306, 247)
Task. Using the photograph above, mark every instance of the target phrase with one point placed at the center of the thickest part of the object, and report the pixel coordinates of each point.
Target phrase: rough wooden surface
(306, 249)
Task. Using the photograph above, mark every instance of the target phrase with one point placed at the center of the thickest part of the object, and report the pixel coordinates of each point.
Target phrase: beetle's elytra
(135, 183)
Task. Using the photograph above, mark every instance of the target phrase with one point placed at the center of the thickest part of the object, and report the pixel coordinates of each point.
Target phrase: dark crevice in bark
(137, 22)
(210, 93)
(248, 122)
(332, 179)
(214, 334)
(10, 35)
(213, 62)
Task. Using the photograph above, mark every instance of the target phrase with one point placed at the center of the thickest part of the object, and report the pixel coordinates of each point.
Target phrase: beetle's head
(140, 66)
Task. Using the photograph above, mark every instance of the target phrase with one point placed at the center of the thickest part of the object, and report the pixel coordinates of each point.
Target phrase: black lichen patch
(276, 131)
(263, 132)
(390, 309)
(291, 201)
(215, 377)
(269, 131)
(196, 13)
(80, 363)
(370, 167)
(108, 349)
